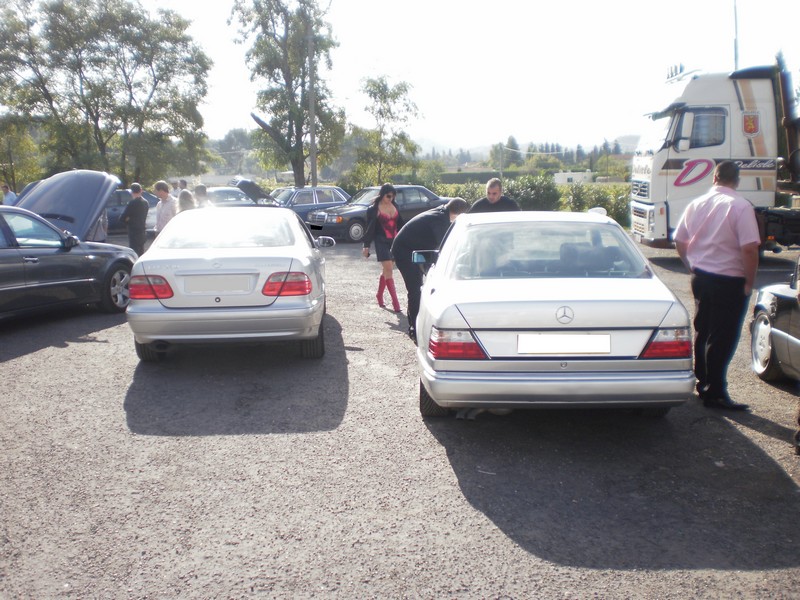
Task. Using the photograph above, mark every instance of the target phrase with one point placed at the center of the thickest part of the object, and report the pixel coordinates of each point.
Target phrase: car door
(411, 202)
(54, 273)
(328, 198)
(303, 202)
(115, 207)
(12, 273)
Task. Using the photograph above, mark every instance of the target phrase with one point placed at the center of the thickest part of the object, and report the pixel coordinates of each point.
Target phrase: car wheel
(764, 361)
(115, 292)
(427, 407)
(355, 231)
(314, 348)
(147, 353)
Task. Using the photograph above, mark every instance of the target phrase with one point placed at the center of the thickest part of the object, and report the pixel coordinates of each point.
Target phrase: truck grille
(639, 221)
(640, 189)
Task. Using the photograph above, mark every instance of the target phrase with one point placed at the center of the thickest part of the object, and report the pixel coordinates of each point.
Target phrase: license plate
(561, 344)
(213, 284)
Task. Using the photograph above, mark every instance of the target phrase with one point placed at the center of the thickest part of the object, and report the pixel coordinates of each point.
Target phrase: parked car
(350, 220)
(117, 203)
(775, 331)
(307, 199)
(548, 310)
(244, 274)
(45, 263)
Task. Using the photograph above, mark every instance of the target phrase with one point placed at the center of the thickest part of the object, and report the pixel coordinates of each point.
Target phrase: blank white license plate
(201, 284)
(560, 344)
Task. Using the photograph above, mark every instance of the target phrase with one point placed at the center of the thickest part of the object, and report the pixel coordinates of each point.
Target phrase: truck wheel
(115, 295)
(764, 362)
(355, 231)
(427, 407)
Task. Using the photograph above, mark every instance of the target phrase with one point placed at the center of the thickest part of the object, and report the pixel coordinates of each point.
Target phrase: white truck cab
(714, 117)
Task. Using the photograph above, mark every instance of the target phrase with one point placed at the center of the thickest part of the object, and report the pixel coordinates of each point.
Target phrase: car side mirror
(424, 257)
(70, 242)
(325, 241)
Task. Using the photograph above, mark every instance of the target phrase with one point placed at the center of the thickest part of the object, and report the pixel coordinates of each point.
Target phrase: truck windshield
(654, 134)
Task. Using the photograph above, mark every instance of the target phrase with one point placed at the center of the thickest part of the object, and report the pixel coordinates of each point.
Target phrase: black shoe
(724, 403)
(412, 333)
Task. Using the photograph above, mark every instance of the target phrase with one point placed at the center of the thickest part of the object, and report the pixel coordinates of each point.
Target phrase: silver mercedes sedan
(547, 310)
(249, 273)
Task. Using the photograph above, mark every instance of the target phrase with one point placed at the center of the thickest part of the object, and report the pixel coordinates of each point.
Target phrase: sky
(577, 72)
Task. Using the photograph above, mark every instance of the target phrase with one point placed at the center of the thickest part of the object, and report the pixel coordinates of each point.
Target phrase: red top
(389, 224)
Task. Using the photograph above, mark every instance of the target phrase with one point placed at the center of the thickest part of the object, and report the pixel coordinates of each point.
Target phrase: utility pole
(312, 102)
(735, 37)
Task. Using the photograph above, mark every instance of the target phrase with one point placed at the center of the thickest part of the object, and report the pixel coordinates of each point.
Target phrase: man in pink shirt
(717, 239)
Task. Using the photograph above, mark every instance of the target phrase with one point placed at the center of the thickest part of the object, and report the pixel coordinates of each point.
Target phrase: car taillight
(289, 283)
(669, 343)
(454, 344)
(149, 287)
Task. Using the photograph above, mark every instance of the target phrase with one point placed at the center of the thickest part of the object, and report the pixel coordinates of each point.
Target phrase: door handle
(30, 259)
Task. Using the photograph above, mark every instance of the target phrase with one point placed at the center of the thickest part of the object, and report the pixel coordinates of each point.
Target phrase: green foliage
(471, 191)
(579, 197)
(101, 78)
(533, 193)
(18, 154)
(285, 34)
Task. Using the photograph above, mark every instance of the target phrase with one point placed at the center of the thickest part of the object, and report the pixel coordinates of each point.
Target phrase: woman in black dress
(383, 223)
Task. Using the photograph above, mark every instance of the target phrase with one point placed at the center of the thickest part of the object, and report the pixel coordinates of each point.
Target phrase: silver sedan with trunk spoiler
(237, 274)
(548, 310)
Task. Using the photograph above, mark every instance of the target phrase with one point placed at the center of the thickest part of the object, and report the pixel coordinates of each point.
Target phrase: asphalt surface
(238, 472)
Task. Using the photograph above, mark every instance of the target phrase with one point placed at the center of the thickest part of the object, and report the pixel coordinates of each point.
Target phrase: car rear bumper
(557, 390)
(156, 324)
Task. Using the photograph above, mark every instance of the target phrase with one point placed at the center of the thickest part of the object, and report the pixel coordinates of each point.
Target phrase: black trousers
(720, 306)
(412, 277)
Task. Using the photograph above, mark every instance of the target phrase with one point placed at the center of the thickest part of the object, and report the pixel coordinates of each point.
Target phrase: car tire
(315, 347)
(115, 293)
(427, 407)
(763, 359)
(147, 353)
(356, 231)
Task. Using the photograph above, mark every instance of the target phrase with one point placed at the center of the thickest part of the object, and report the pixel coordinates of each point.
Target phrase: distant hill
(627, 144)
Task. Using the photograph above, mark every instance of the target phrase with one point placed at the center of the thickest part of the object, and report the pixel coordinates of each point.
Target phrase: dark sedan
(775, 331)
(43, 267)
(309, 199)
(349, 221)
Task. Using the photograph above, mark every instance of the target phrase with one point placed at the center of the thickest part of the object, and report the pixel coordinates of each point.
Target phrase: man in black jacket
(423, 232)
(495, 201)
(135, 217)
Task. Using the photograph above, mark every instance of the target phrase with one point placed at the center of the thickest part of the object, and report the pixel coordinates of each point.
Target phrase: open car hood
(253, 190)
(73, 200)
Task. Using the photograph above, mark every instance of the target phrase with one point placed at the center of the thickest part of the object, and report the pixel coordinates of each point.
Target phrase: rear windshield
(545, 249)
(227, 228)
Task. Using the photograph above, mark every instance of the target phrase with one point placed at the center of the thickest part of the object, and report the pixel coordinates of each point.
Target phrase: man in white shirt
(167, 205)
(8, 195)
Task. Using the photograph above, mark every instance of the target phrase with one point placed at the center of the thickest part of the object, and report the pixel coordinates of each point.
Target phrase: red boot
(379, 295)
(393, 294)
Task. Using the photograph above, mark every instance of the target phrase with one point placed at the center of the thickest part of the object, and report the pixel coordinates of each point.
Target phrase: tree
(18, 154)
(290, 40)
(391, 149)
(513, 155)
(111, 87)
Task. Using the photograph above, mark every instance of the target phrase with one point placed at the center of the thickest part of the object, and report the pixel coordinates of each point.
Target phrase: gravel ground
(238, 472)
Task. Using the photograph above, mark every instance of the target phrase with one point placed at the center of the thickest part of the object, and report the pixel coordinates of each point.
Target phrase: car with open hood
(44, 256)
(524, 310)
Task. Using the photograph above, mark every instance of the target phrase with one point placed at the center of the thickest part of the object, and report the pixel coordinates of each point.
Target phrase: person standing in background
(167, 205)
(135, 217)
(494, 201)
(383, 223)
(8, 195)
(717, 239)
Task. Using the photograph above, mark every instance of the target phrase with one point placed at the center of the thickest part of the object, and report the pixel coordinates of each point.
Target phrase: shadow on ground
(610, 490)
(240, 389)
